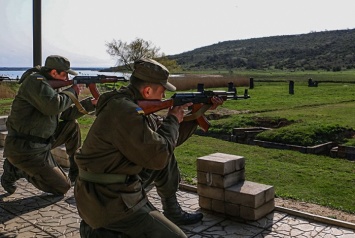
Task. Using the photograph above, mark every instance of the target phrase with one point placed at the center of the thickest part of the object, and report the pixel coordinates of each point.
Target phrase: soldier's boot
(174, 212)
(73, 169)
(87, 232)
(10, 175)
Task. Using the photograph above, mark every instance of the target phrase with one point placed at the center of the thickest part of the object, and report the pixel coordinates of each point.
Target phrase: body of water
(16, 73)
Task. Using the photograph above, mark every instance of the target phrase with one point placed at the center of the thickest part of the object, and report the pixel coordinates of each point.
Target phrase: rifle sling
(76, 102)
(198, 113)
(101, 178)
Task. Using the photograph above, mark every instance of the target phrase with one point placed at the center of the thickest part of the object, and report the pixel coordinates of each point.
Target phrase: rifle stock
(152, 106)
(89, 81)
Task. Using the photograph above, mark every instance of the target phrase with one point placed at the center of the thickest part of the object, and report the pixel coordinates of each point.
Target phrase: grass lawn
(304, 177)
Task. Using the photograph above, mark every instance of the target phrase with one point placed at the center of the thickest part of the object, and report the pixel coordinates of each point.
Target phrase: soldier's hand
(216, 101)
(179, 111)
(76, 88)
(94, 101)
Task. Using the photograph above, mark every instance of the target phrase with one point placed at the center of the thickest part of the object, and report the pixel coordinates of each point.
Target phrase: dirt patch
(272, 122)
(315, 209)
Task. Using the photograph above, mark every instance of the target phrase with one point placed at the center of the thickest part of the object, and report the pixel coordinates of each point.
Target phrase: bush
(307, 134)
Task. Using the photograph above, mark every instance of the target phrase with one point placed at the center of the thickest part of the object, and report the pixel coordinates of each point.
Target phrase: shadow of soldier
(9, 210)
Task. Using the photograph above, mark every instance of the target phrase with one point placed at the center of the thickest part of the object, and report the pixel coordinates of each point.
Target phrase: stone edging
(325, 220)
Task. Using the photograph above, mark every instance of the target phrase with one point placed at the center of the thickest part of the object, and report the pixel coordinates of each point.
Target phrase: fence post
(291, 87)
(251, 83)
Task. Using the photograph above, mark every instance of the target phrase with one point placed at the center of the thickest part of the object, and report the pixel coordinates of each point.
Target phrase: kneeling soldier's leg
(148, 222)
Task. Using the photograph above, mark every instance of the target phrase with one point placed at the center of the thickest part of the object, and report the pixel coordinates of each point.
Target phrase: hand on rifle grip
(94, 101)
(76, 88)
(216, 101)
(179, 111)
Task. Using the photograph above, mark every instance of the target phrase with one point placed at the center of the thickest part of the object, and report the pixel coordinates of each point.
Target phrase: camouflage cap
(60, 63)
(152, 71)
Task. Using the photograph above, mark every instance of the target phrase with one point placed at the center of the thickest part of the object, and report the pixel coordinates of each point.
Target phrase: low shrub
(307, 134)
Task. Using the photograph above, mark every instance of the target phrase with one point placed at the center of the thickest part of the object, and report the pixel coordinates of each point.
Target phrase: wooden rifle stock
(152, 106)
(201, 120)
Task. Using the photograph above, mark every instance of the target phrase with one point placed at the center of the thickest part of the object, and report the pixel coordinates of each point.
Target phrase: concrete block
(212, 204)
(253, 214)
(205, 203)
(3, 120)
(210, 192)
(232, 209)
(60, 155)
(220, 181)
(218, 206)
(249, 194)
(3, 135)
(240, 161)
(219, 163)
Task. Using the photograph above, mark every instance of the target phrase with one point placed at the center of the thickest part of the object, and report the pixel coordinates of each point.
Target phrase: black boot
(73, 170)
(87, 232)
(174, 212)
(10, 175)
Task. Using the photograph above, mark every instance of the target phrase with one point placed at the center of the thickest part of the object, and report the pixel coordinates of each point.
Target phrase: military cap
(60, 63)
(151, 71)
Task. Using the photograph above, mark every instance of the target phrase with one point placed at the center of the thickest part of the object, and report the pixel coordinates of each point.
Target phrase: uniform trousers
(166, 180)
(41, 169)
(148, 221)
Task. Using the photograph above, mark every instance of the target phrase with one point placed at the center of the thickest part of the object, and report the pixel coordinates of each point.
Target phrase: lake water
(14, 74)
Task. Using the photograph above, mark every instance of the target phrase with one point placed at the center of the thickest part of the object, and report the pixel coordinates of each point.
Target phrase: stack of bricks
(222, 188)
(3, 130)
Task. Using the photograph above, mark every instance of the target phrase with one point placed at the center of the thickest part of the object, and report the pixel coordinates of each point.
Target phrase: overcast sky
(79, 29)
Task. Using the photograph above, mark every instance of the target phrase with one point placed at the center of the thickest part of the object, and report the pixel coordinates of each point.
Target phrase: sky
(80, 29)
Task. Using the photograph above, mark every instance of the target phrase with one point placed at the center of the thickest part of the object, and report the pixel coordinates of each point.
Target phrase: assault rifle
(89, 81)
(201, 103)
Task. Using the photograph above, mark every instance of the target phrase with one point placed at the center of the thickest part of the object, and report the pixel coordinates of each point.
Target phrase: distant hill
(328, 50)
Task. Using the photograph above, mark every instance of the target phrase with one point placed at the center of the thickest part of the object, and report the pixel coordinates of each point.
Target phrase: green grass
(330, 105)
(297, 76)
(305, 177)
(5, 106)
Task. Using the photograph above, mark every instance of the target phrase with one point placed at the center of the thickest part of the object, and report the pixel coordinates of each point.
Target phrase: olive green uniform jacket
(36, 111)
(122, 140)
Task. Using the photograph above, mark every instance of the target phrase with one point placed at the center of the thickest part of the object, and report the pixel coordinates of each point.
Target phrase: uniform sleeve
(187, 128)
(73, 113)
(43, 97)
(138, 142)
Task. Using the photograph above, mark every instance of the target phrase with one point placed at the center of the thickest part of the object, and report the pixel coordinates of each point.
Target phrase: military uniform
(124, 152)
(124, 141)
(41, 119)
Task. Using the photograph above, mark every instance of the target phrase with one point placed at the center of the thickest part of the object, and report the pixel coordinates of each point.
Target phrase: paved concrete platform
(32, 213)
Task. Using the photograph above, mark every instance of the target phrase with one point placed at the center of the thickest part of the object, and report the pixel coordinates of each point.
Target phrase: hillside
(328, 50)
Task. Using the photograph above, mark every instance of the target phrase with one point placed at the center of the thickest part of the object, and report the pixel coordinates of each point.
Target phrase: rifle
(89, 81)
(201, 103)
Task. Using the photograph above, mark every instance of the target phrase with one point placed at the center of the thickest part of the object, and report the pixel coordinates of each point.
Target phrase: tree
(171, 65)
(127, 53)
